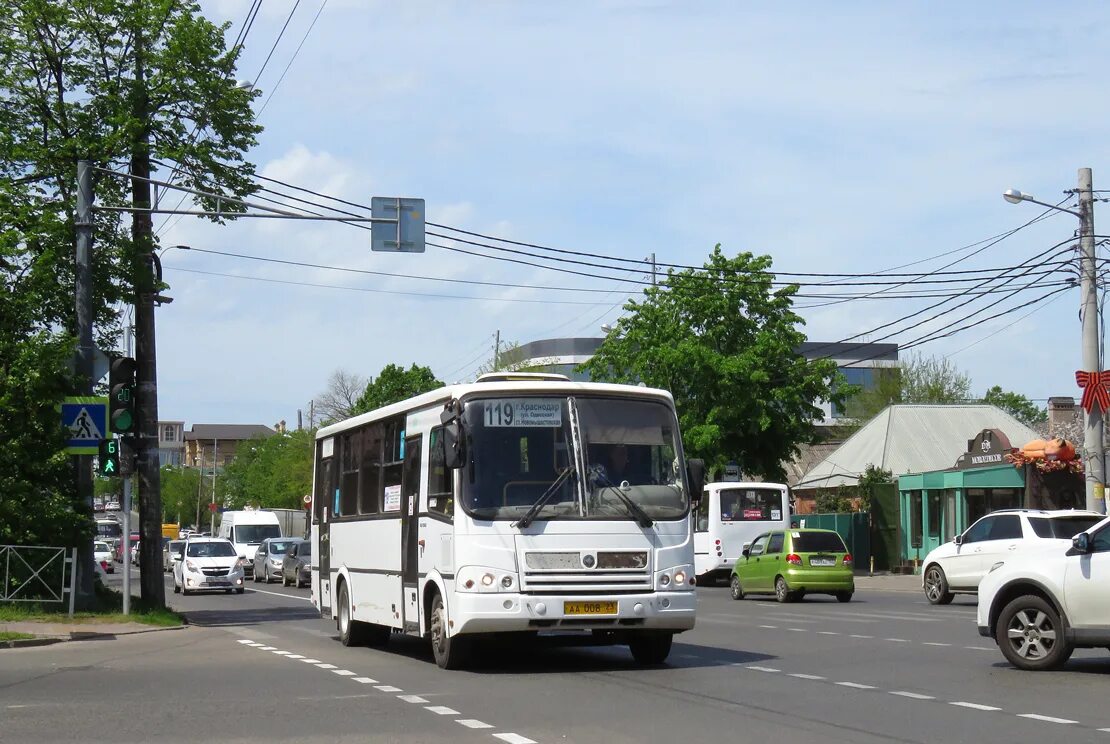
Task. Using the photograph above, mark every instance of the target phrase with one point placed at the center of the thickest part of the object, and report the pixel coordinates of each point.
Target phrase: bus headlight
(485, 580)
(676, 579)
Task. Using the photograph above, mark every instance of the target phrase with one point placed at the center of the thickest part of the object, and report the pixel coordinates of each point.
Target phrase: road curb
(31, 642)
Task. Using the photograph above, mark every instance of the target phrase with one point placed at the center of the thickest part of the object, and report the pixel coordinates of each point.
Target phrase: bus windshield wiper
(530, 515)
(634, 509)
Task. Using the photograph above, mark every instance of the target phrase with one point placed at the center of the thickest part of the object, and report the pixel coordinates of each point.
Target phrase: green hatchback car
(792, 563)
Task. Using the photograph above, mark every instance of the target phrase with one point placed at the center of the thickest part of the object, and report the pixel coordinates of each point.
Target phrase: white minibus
(729, 516)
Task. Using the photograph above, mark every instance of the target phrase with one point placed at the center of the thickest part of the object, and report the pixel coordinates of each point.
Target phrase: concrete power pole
(146, 377)
(497, 351)
(653, 269)
(83, 291)
(1093, 454)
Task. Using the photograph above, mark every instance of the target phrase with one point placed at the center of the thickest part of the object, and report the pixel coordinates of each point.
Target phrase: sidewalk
(888, 583)
(47, 633)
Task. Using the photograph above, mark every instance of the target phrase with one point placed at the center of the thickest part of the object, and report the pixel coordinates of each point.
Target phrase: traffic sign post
(86, 419)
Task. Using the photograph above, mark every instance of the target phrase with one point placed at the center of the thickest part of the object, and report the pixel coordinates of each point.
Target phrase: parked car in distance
(295, 567)
(112, 506)
(268, 558)
(957, 567)
(1042, 604)
(169, 551)
(102, 554)
(793, 563)
(208, 564)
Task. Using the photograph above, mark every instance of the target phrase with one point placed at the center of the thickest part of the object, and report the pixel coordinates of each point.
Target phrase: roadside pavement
(47, 633)
(889, 583)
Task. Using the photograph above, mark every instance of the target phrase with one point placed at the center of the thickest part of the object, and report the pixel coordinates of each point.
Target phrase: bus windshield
(109, 529)
(518, 448)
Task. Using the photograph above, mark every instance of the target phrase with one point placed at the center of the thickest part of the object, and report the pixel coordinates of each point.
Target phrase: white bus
(731, 515)
(519, 503)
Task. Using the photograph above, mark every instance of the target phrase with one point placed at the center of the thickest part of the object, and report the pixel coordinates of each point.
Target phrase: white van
(247, 529)
(731, 515)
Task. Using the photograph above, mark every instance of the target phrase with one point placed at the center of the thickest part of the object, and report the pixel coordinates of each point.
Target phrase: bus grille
(567, 573)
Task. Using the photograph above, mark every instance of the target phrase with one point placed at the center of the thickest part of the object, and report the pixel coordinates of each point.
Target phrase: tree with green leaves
(128, 85)
(183, 495)
(1017, 405)
(395, 383)
(724, 341)
(273, 472)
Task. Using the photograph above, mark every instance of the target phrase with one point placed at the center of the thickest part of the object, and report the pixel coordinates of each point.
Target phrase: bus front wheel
(351, 632)
(450, 651)
(650, 648)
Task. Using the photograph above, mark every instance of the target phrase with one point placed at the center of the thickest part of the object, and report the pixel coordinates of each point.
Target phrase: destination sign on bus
(523, 412)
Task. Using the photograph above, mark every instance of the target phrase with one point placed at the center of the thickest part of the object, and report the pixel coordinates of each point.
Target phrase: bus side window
(441, 480)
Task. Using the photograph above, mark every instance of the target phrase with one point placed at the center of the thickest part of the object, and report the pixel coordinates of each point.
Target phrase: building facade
(210, 446)
(171, 443)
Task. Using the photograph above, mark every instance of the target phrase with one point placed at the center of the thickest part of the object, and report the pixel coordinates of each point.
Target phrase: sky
(835, 138)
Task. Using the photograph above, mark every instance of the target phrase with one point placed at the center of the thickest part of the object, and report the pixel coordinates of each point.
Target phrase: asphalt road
(263, 667)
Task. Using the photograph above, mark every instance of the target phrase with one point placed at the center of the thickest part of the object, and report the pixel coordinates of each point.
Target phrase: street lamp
(1093, 452)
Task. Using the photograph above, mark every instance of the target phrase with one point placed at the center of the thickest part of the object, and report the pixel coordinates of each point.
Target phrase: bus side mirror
(454, 445)
(695, 473)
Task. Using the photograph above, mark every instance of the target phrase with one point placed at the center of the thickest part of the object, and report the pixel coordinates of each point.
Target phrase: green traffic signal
(121, 395)
(109, 458)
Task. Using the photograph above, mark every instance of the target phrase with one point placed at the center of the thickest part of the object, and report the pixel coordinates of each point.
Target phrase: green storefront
(938, 505)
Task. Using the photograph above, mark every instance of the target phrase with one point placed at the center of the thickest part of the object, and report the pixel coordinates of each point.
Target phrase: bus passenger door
(410, 521)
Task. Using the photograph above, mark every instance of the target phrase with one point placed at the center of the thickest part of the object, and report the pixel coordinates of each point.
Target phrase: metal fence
(38, 574)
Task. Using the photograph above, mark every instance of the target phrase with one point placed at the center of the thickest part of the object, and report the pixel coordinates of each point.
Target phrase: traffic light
(109, 458)
(121, 396)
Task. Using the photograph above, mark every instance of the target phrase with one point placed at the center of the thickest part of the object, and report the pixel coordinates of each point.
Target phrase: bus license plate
(589, 608)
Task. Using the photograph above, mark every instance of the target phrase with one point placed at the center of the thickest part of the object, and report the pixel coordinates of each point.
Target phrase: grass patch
(7, 636)
(107, 609)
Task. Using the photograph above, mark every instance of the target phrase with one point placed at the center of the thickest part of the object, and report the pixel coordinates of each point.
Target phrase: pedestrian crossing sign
(85, 418)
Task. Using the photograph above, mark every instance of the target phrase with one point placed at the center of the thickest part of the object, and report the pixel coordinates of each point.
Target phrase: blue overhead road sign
(406, 235)
(86, 420)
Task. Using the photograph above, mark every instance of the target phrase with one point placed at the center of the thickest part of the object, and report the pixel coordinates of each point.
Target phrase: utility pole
(142, 236)
(497, 351)
(212, 516)
(83, 291)
(125, 451)
(653, 269)
(1093, 453)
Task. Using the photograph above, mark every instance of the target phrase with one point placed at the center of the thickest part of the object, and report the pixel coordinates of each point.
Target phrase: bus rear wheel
(650, 648)
(451, 652)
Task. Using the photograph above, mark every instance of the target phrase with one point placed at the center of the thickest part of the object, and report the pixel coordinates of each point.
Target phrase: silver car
(268, 558)
(170, 552)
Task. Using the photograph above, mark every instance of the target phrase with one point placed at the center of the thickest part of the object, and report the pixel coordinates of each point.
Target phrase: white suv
(957, 566)
(1043, 604)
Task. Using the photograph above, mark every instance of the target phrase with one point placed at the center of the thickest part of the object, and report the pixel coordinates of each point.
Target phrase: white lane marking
(979, 648)
(687, 656)
(294, 656)
(934, 643)
(806, 676)
(266, 648)
(763, 669)
(826, 632)
(244, 640)
(896, 640)
(798, 630)
(364, 680)
(412, 698)
(279, 594)
(770, 627)
(311, 661)
(514, 738)
(856, 685)
(326, 666)
(974, 706)
(1047, 719)
(1105, 730)
(343, 672)
(854, 635)
(281, 653)
(441, 710)
(473, 723)
(388, 688)
(912, 695)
